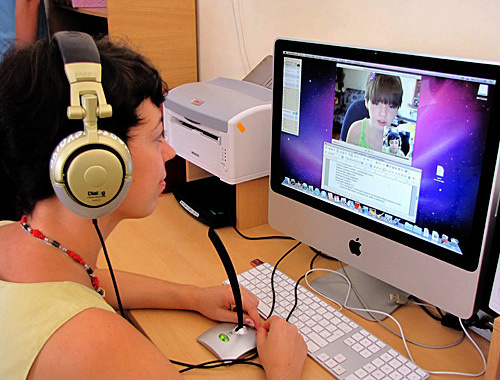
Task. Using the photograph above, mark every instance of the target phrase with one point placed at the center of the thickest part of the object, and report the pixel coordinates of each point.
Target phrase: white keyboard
(336, 342)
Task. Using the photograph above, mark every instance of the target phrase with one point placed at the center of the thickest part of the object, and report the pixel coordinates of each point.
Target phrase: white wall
(460, 28)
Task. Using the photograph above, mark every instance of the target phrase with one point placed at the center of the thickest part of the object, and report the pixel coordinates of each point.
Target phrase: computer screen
(388, 161)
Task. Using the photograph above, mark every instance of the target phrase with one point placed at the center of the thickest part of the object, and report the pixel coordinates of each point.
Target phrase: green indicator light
(224, 338)
(213, 212)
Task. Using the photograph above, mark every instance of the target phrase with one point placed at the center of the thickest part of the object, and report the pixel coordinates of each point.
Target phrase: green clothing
(362, 140)
(30, 313)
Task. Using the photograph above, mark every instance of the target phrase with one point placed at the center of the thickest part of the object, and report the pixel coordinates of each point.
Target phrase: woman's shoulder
(100, 342)
(8, 241)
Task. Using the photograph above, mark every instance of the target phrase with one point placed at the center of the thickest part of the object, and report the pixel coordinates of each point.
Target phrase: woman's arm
(98, 344)
(143, 292)
(26, 17)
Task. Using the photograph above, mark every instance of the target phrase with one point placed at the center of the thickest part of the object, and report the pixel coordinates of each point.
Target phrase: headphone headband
(82, 64)
(76, 47)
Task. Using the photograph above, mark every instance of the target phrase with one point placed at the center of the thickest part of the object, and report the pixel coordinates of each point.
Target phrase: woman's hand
(217, 303)
(282, 350)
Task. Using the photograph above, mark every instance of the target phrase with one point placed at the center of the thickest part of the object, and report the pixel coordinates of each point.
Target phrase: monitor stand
(375, 293)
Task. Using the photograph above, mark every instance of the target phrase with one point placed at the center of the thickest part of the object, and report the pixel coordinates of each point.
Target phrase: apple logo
(354, 247)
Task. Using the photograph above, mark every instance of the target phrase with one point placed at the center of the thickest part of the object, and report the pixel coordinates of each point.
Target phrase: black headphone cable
(115, 285)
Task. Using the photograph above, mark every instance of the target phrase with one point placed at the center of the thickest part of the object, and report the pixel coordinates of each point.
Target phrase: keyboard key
(264, 309)
(366, 353)
(317, 339)
(312, 347)
(404, 370)
(352, 376)
(339, 358)
(330, 363)
(365, 342)
(357, 336)
(338, 370)
(323, 357)
(395, 376)
(374, 348)
(414, 376)
(361, 373)
(386, 368)
(386, 357)
(411, 365)
(421, 372)
(357, 347)
(369, 367)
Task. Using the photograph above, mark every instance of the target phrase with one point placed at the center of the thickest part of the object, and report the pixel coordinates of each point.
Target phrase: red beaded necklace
(73, 255)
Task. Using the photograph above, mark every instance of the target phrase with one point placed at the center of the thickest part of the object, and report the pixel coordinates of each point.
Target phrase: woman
(53, 318)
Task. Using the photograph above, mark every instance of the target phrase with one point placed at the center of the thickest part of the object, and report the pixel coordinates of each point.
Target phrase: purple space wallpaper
(303, 155)
(450, 132)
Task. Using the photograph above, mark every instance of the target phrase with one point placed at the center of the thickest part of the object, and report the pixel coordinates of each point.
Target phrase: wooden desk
(170, 244)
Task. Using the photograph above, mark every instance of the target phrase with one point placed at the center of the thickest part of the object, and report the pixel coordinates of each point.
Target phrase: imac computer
(389, 162)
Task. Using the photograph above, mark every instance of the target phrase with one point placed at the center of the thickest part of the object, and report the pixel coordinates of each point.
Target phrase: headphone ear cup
(91, 179)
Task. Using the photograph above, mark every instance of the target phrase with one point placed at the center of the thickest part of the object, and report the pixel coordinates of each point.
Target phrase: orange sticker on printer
(241, 127)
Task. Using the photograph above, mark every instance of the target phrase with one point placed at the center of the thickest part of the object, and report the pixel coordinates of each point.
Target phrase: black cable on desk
(320, 254)
(217, 363)
(233, 224)
(296, 297)
(317, 254)
(427, 311)
(273, 304)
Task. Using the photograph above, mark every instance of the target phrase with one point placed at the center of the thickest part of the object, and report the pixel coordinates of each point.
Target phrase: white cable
(240, 37)
(397, 323)
(394, 331)
(357, 309)
(324, 295)
(461, 373)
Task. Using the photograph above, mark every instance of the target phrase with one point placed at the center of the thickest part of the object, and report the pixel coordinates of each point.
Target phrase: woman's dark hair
(34, 95)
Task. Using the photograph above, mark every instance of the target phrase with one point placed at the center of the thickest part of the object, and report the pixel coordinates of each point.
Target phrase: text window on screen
(371, 179)
(290, 110)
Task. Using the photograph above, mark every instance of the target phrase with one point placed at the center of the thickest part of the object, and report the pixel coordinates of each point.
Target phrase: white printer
(223, 126)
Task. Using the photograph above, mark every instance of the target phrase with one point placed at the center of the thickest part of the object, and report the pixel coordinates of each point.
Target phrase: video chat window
(372, 161)
(379, 110)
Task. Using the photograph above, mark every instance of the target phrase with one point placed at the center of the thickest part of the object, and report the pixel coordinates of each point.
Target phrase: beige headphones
(90, 170)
